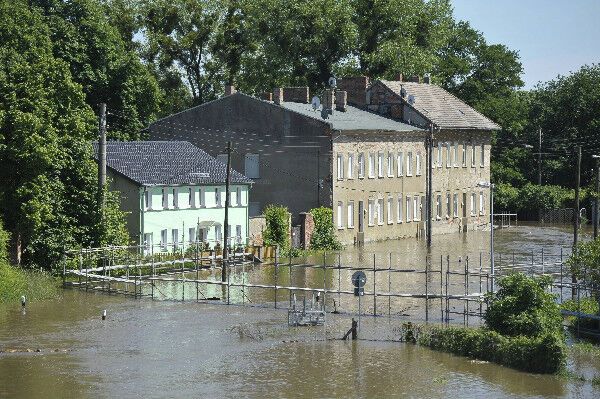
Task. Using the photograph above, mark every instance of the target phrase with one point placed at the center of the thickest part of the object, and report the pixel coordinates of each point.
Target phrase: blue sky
(552, 37)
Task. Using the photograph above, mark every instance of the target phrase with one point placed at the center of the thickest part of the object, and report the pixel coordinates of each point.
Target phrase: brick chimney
(341, 100)
(296, 94)
(356, 87)
(229, 90)
(399, 77)
(427, 79)
(415, 79)
(267, 96)
(328, 99)
(278, 95)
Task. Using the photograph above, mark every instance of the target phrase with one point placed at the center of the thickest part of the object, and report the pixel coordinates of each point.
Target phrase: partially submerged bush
(587, 306)
(277, 232)
(323, 236)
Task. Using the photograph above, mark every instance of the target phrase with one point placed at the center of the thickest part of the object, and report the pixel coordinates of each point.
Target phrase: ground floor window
(473, 205)
(408, 214)
(163, 240)
(481, 203)
(175, 238)
(399, 210)
(340, 211)
(371, 213)
(455, 205)
(390, 214)
(350, 214)
(416, 208)
(192, 234)
(438, 206)
(238, 233)
(380, 211)
(218, 233)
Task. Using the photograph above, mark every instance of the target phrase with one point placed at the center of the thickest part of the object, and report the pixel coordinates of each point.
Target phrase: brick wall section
(296, 94)
(277, 95)
(341, 100)
(267, 96)
(307, 225)
(356, 88)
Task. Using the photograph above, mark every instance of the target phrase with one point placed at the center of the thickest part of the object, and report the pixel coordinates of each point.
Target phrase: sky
(552, 37)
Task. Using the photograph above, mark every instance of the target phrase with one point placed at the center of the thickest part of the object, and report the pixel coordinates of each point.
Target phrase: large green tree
(47, 175)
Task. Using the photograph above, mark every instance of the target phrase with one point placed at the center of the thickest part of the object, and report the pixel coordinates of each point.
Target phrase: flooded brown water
(185, 349)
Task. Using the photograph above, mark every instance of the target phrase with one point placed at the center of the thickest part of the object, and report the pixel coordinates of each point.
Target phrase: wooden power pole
(102, 159)
(597, 158)
(226, 227)
(576, 218)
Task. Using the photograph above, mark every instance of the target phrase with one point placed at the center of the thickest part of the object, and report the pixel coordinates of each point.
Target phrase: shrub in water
(277, 230)
(323, 236)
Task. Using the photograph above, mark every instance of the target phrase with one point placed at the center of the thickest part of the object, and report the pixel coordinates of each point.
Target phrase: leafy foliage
(585, 262)
(523, 307)
(586, 305)
(323, 236)
(277, 231)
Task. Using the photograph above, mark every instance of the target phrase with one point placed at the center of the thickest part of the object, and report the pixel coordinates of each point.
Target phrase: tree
(323, 236)
(277, 231)
(100, 61)
(47, 176)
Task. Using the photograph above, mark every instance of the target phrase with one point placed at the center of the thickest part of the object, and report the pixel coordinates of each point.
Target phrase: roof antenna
(316, 103)
(332, 82)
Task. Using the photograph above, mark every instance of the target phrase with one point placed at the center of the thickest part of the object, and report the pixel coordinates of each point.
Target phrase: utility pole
(540, 168)
(576, 218)
(224, 270)
(318, 177)
(597, 158)
(429, 188)
(102, 159)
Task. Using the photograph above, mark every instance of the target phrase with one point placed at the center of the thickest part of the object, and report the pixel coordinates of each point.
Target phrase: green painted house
(174, 194)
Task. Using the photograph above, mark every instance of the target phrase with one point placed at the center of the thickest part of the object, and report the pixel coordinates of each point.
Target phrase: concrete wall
(294, 150)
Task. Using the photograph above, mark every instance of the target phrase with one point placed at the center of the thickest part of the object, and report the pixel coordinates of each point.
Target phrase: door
(361, 210)
(464, 205)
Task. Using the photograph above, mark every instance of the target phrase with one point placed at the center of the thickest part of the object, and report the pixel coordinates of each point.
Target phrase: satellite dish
(332, 82)
(411, 99)
(316, 103)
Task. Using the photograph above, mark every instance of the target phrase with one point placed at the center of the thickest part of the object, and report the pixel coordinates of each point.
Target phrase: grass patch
(35, 285)
(585, 348)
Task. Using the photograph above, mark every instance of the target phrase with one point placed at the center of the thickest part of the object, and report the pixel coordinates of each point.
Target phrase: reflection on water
(171, 349)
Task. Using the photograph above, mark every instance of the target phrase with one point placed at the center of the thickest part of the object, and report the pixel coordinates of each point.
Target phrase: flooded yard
(155, 348)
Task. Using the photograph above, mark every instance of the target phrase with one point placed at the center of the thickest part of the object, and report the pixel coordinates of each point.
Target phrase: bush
(586, 305)
(4, 238)
(277, 227)
(323, 236)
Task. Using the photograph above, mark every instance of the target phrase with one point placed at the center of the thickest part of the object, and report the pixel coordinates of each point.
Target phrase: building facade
(174, 194)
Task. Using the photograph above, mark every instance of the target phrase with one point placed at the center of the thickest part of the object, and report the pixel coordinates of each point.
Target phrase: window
(380, 164)
(175, 198)
(455, 205)
(473, 155)
(433, 157)
(408, 214)
(390, 214)
(148, 199)
(390, 164)
(464, 154)
(473, 204)
(438, 207)
(218, 232)
(251, 166)
(448, 206)
(222, 158)
(409, 164)
(340, 213)
(371, 213)
(340, 167)
(418, 161)
(175, 237)
(350, 216)
(482, 156)
(380, 211)
(165, 198)
(201, 194)
(238, 233)
(416, 208)
(448, 155)
(238, 196)
(455, 155)
(399, 210)
(192, 234)
(191, 202)
(163, 240)
(400, 163)
(439, 154)
(217, 197)
(481, 203)
(371, 165)
(350, 172)
(147, 243)
(361, 165)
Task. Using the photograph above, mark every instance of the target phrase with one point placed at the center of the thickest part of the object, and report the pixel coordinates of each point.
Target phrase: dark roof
(440, 107)
(155, 163)
(352, 119)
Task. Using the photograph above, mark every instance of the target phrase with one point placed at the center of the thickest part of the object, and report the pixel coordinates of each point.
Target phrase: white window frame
(482, 156)
(448, 205)
(361, 165)
(418, 163)
(380, 164)
(400, 164)
(148, 199)
(473, 204)
(238, 196)
(218, 232)
(340, 215)
(191, 235)
(455, 205)
(380, 206)
(409, 163)
(202, 197)
(371, 165)
(438, 207)
(164, 240)
(439, 155)
(371, 212)
(175, 198)
(464, 154)
(455, 155)
(408, 207)
(217, 197)
(399, 209)
(473, 155)
(350, 214)
(340, 167)
(191, 197)
(165, 198)
(238, 233)
(390, 164)
(350, 171)
(416, 208)
(390, 213)
(175, 238)
(448, 155)
(481, 203)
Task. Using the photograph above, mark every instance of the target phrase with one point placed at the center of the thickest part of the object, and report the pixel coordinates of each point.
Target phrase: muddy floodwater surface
(150, 349)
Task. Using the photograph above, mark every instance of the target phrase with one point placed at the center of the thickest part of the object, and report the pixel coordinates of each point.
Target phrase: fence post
(447, 277)
(561, 274)
(390, 287)
(426, 288)
(339, 279)
(467, 286)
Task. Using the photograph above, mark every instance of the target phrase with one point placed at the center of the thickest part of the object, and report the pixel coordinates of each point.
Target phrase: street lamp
(489, 185)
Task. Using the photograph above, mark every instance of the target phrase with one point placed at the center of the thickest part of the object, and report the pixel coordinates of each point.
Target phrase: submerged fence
(434, 288)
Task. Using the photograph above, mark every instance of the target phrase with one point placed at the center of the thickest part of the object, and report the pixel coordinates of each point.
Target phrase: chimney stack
(229, 90)
(356, 89)
(399, 77)
(415, 79)
(267, 96)
(278, 95)
(427, 79)
(341, 100)
(296, 94)
(328, 99)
